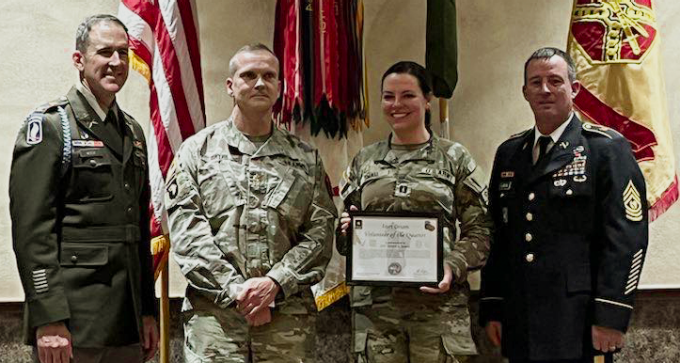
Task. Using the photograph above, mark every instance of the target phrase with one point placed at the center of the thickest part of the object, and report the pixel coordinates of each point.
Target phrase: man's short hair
(83, 32)
(547, 53)
(256, 47)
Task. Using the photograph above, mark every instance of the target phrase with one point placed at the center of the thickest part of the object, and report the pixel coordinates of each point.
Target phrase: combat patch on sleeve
(332, 193)
(171, 186)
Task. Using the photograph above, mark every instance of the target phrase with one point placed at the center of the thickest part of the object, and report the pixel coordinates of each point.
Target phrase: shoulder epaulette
(61, 101)
(600, 130)
(519, 134)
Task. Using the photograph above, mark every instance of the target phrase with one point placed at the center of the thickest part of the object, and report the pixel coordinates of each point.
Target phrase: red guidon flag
(164, 49)
(615, 45)
(320, 47)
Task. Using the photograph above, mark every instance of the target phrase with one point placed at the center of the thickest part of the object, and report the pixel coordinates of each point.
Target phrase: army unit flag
(320, 45)
(323, 99)
(164, 48)
(441, 46)
(615, 45)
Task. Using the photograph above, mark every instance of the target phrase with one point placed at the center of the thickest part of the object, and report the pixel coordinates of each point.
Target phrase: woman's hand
(345, 220)
(444, 284)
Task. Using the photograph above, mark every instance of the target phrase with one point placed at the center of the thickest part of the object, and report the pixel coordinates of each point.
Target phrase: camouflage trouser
(413, 327)
(224, 335)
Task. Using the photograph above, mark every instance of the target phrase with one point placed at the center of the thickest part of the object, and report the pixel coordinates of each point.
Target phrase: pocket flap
(459, 343)
(83, 255)
(91, 158)
(277, 196)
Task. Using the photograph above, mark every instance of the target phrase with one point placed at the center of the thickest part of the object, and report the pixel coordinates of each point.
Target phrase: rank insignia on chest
(87, 143)
(576, 167)
(402, 190)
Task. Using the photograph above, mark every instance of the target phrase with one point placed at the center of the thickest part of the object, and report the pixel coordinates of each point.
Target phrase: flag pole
(165, 316)
(444, 131)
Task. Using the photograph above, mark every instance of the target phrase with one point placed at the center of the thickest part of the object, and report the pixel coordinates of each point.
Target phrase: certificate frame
(356, 271)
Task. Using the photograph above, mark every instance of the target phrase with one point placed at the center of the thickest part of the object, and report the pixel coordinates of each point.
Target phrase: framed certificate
(395, 249)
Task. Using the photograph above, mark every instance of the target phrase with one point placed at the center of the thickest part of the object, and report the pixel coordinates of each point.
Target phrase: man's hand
(54, 343)
(607, 339)
(261, 318)
(345, 220)
(494, 330)
(257, 294)
(444, 284)
(150, 339)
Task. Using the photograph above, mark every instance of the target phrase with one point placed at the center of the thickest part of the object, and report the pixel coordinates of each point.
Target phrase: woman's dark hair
(420, 73)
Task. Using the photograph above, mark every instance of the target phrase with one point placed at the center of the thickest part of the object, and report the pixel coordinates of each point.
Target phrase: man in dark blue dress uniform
(568, 203)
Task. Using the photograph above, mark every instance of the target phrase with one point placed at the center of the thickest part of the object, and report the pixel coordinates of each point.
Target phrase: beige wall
(495, 37)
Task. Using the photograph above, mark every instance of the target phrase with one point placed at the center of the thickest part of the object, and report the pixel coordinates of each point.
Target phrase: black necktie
(113, 129)
(543, 143)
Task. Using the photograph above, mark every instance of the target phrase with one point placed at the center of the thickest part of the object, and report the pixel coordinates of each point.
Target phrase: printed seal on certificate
(395, 249)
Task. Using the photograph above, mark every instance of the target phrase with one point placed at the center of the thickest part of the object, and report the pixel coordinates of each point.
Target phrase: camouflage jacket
(440, 177)
(236, 212)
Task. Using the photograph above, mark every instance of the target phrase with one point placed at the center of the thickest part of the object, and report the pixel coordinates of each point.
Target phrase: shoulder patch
(34, 129)
(598, 129)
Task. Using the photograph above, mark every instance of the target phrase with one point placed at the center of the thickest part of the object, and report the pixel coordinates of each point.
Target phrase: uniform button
(569, 192)
(529, 257)
(528, 237)
(74, 258)
(532, 196)
(129, 210)
(127, 186)
(530, 217)
(93, 162)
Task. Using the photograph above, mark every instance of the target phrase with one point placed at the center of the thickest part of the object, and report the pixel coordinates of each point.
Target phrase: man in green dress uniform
(79, 197)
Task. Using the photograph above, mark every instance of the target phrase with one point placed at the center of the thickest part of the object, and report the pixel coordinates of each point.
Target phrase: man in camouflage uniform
(79, 199)
(251, 223)
(399, 325)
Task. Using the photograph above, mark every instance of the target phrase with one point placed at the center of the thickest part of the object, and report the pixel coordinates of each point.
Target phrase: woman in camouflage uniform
(416, 171)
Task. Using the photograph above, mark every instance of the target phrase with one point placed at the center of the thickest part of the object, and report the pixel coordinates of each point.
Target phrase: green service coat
(80, 224)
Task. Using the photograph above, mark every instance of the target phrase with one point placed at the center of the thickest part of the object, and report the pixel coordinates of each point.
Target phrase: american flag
(165, 50)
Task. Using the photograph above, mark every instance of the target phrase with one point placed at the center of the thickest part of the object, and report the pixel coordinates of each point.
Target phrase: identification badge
(507, 174)
(87, 143)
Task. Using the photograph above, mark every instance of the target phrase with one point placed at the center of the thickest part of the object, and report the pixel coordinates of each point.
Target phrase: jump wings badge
(632, 203)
